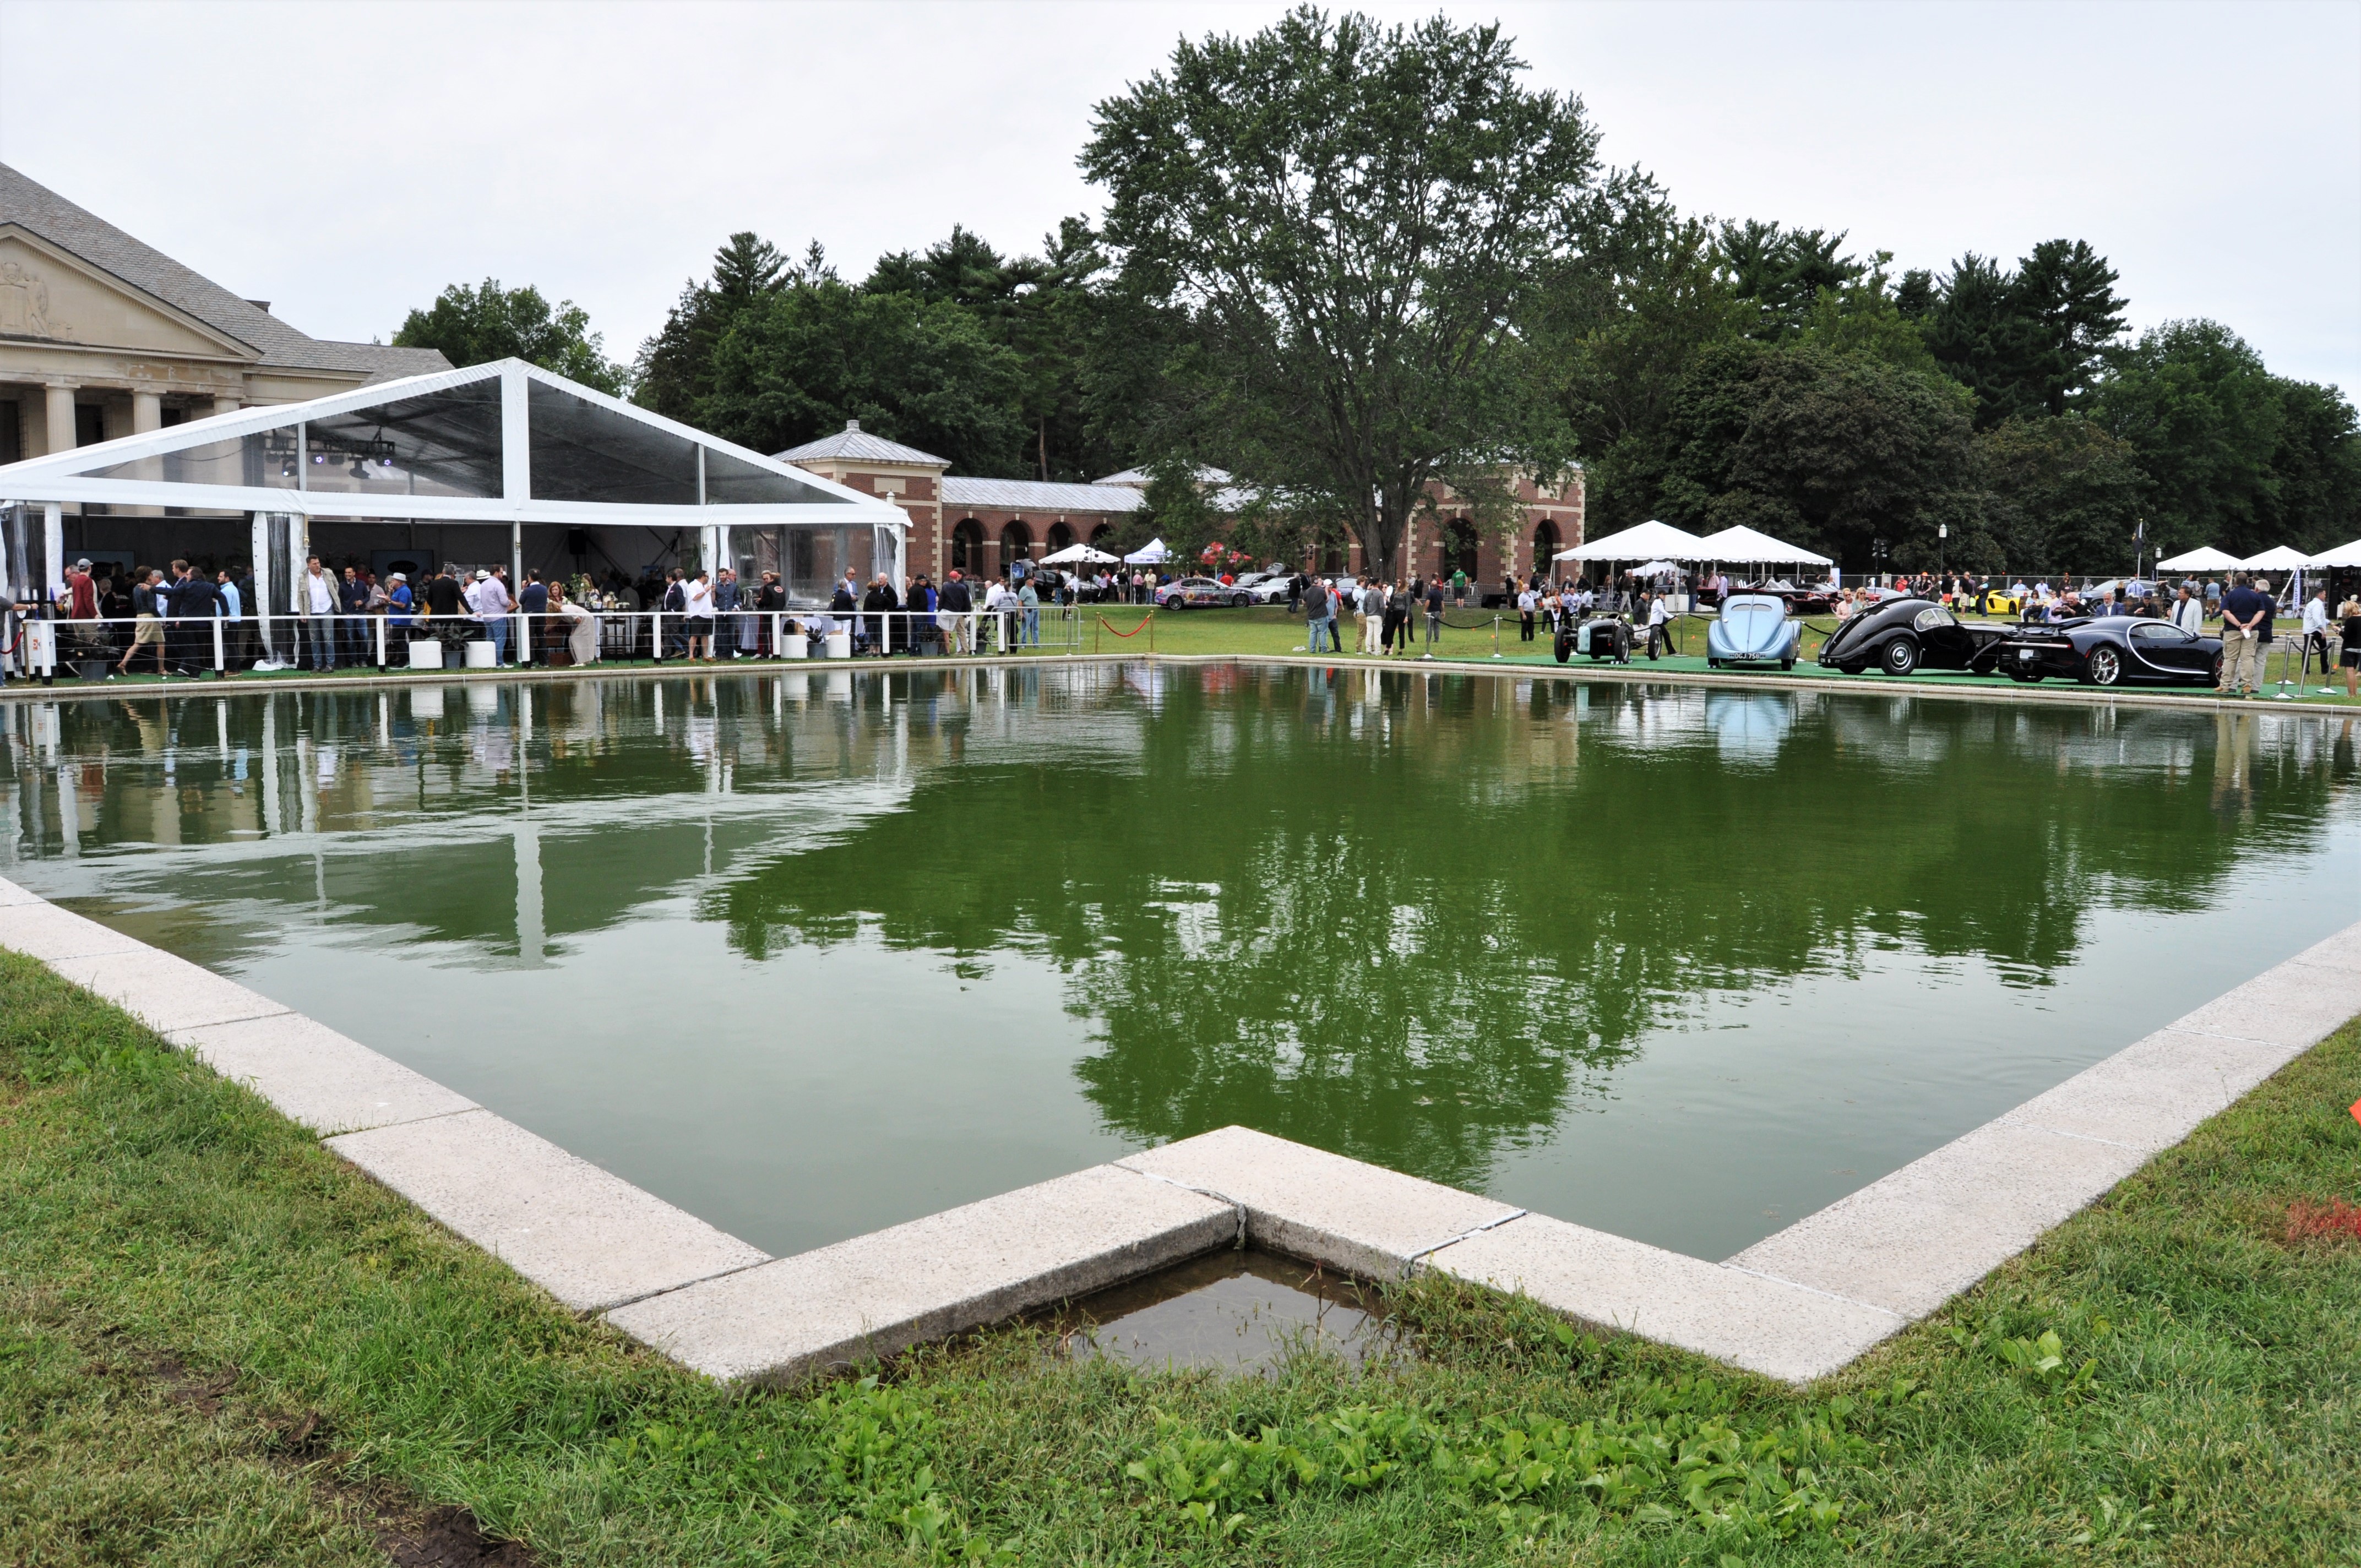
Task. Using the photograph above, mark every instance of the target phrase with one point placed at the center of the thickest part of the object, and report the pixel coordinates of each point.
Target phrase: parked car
(1992, 601)
(1753, 629)
(1603, 637)
(1799, 601)
(1905, 635)
(1187, 593)
(2115, 649)
(1262, 588)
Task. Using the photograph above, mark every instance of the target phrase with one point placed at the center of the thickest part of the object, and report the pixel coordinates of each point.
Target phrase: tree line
(1344, 260)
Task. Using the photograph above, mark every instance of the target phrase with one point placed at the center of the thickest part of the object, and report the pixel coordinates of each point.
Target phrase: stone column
(224, 405)
(147, 415)
(60, 416)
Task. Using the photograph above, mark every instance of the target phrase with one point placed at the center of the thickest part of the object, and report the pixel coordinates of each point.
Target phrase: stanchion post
(221, 664)
(381, 622)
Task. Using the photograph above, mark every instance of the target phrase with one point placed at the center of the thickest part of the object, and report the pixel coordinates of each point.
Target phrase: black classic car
(1905, 635)
(2110, 650)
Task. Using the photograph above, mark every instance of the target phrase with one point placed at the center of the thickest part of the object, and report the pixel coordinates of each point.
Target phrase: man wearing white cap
(492, 607)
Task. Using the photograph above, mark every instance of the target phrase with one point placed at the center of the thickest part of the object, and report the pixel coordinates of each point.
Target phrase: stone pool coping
(1797, 1306)
(1927, 684)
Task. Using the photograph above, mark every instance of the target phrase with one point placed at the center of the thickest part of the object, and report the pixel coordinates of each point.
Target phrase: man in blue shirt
(2245, 617)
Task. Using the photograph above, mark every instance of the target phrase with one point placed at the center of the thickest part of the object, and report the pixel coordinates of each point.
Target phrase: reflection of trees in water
(1411, 919)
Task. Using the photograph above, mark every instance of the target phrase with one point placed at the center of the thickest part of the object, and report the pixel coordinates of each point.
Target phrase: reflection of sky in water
(812, 955)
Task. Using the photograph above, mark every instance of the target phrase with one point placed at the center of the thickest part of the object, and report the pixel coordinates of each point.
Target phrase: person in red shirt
(84, 602)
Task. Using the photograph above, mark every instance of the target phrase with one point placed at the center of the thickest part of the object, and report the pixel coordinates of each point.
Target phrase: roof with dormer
(854, 442)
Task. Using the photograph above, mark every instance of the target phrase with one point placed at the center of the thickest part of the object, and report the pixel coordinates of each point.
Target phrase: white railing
(34, 646)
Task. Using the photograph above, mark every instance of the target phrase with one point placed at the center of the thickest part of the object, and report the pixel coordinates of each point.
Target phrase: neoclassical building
(103, 336)
(983, 525)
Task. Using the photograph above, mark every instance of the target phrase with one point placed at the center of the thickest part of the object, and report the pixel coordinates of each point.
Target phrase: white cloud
(346, 161)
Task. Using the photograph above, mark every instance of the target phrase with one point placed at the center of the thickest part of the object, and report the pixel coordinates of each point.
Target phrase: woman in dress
(581, 626)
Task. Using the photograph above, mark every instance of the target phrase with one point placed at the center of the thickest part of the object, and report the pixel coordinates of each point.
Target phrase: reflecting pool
(813, 953)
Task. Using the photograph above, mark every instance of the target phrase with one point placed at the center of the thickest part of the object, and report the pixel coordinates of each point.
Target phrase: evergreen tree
(673, 372)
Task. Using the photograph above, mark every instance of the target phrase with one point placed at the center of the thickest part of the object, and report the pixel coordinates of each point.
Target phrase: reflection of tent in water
(1748, 727)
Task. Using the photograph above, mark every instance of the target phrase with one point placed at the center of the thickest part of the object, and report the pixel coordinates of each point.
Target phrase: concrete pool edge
(1929, 684)
(1798, 1306)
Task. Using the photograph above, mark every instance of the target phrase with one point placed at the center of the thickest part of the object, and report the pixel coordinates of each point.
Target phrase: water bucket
(426, 655)
(794, 645)
(479, 655)
(840, 644)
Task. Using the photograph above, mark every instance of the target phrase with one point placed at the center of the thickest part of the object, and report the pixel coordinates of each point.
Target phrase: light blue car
(1753, 629)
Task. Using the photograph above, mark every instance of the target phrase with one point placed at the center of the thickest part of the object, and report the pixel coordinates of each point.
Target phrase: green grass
(220, 1345)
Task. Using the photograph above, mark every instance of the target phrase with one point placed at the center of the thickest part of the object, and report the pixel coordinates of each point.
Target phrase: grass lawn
(220, 1345)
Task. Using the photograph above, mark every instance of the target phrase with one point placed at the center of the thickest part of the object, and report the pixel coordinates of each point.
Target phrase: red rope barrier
(1132, 632)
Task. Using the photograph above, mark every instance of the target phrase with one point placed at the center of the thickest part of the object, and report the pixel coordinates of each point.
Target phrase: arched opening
(967, 546)
(1061, 537)
(1101, 535)
(1015, 545)
(1456, 550)
(1546, 545)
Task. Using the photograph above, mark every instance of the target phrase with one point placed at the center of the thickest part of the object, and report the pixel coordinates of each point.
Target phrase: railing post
(221, 664)
(381, 621)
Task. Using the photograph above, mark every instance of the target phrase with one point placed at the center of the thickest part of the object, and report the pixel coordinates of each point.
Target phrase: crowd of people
(190, 618)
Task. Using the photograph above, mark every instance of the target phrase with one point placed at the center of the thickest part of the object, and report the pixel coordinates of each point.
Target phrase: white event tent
(1148, 554)
(1742, 546)
(2345, 554)
(2281, 559)
(487, 462)
(1079, 554)
(1641, 542)
(2204, 558)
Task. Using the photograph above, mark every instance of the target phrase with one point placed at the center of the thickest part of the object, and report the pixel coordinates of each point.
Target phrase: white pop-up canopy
(1742, 545)
(2281, 559)
(1148, 554)
(1641, 542)
(2204, 558)
(2345, 554)
(1078, 555)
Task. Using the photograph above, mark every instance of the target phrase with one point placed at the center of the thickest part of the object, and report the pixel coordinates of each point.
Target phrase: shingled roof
(41, 211)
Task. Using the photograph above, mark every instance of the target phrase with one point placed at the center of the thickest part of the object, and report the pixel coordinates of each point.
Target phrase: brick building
(983, 525)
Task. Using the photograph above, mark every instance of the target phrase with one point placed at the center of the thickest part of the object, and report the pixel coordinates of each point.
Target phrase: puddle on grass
(1235, 1312)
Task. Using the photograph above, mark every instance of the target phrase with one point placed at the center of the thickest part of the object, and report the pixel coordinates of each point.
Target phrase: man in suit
(195, 603)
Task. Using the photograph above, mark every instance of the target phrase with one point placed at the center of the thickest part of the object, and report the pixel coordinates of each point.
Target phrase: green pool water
(813, 953)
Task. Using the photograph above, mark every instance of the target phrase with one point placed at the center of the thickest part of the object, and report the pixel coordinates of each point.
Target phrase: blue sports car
(1753, 629)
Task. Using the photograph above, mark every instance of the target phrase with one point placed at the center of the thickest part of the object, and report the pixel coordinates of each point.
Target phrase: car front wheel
(2106, 667)
(1901, 657)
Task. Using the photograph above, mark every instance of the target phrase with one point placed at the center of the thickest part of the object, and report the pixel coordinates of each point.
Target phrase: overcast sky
(348, 161)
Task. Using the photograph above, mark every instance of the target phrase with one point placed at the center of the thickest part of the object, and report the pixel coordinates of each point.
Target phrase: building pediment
(49, 295)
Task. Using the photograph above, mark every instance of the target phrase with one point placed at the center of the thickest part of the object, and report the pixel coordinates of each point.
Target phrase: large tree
(1044, 310)
(474, 326)
(800, 361)
(2061, 494)
(673, 372)
(2026, 342)
(1348, 225)
(1827, 448)
(2194, 400)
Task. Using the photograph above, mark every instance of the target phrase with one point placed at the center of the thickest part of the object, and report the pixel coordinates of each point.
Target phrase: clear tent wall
(501, 464)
